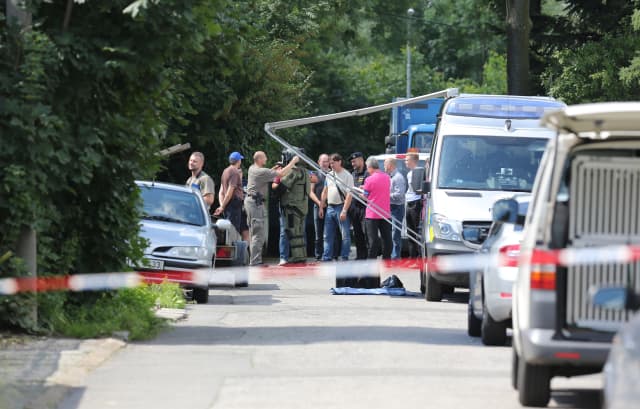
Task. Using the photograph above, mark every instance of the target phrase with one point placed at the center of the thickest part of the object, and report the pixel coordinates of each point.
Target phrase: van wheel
(514, 368)
(473, 323)
(433, 289)
(201, 295)
(493, 333)
(534, 384)
(241, 259)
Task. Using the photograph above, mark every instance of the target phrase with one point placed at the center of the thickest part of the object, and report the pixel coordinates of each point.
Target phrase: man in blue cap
(231, 195)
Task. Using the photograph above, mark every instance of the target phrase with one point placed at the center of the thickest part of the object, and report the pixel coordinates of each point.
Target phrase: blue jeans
(284, 240)
(331, 224)
(318, 224)
(397, 213)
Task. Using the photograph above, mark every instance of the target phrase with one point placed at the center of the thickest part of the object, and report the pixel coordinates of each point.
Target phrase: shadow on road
(248, 299)
(300, 335)
(577, 398)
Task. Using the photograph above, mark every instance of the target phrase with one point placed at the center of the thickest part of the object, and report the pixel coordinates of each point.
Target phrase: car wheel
(493, 333)
(433, 289)
(201, 295)
(241, 260)
(514, 368)
(534, 384)
(473, 322)
(448, 289)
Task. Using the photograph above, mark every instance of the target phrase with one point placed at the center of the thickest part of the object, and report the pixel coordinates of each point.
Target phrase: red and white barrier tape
(621, 254)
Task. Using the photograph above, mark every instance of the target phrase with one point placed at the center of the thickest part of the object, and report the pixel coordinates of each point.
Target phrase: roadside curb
(172, 314)
(73, 368)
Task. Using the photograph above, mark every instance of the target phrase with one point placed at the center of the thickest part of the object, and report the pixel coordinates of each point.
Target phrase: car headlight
(446, 229)
(192, 252)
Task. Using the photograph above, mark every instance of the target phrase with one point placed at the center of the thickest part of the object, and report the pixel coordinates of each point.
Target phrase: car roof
(597, 121)
(164, 185)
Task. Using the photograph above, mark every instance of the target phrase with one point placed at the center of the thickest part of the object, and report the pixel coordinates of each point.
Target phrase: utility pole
(26, 247)
(410, 13)
(16, 10)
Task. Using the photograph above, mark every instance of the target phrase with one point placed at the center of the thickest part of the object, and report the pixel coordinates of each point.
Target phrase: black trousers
(414, 211)
(356, 217)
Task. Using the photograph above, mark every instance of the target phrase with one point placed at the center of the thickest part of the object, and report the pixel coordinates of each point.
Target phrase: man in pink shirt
(377, 189)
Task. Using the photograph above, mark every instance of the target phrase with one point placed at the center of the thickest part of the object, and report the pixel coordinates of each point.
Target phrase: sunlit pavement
(290, 344)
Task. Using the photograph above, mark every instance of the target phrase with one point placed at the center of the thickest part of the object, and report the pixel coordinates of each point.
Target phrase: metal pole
(17, 12)
(410, 13)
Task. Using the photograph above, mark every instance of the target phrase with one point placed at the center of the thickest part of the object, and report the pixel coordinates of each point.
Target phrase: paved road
(290, 344)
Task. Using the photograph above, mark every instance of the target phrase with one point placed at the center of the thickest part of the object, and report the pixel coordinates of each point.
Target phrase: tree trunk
(18, 13)
(518, 29)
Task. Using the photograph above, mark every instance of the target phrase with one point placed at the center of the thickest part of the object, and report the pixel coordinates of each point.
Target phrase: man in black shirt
(356, 211)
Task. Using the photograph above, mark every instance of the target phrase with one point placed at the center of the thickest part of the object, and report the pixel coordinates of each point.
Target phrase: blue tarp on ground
(370, 291)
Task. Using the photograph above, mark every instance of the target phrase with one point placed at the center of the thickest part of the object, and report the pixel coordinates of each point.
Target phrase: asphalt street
(291, 344)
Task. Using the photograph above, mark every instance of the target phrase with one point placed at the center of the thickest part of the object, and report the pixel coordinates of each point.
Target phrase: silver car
(490, 288)
(622, 369)
(176, 223)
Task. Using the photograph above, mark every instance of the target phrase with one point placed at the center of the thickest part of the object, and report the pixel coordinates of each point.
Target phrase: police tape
(619, 254)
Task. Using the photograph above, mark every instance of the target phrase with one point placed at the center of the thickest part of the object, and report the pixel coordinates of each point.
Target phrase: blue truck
(412, 126)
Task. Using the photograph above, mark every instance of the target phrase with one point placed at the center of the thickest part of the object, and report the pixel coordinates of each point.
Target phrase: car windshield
(423, 141)
(490, 162)
(171, 206)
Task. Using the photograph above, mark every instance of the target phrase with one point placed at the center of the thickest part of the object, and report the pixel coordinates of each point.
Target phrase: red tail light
(543, 277)
(225, 252)
(510, 255)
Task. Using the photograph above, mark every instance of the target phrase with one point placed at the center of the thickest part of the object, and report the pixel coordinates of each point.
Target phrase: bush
(128, 309)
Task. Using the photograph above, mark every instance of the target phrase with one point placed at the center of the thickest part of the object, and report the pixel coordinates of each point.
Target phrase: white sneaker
(282, 262)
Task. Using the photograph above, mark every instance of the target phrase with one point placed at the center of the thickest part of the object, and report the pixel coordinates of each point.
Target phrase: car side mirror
(417, 181)
(615, 298)
(506, 211)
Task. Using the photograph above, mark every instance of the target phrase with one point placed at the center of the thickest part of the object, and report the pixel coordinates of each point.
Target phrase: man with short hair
(258, 180)
(231, 195)
(357, 209)
(376, 189)
(414, 203)
(398, 190)
(337, 202)
(316, 196)
(200, 180)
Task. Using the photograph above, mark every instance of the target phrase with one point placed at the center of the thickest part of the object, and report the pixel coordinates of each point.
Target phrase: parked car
(586, 194)
(622, 369)
(489, 313)
(176, 223)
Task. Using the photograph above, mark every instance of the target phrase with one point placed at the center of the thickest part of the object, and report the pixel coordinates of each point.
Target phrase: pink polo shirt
(379, 187)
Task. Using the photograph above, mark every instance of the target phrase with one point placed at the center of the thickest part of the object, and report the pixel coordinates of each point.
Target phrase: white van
(486, 147)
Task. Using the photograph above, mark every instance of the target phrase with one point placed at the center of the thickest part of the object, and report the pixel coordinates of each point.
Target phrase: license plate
(155, 264)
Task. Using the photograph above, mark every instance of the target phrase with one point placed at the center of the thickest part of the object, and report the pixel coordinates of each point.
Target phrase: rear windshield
(489, 162)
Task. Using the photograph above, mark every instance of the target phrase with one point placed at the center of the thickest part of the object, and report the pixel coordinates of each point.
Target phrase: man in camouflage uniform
(294, 203)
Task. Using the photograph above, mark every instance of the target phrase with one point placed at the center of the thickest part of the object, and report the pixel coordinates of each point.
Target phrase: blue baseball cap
(235, 156)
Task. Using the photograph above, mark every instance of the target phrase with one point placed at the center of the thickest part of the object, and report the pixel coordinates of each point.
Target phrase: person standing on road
(231, 195)
(376, 189)
(258, 179)
(294, 203)
(414, 204)
(337, 203)
(357, 209)
(200, 180)
(316, 196)
(283, 242)
(398, 190)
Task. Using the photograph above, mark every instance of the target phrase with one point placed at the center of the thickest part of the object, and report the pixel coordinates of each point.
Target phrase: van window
(489, 162)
